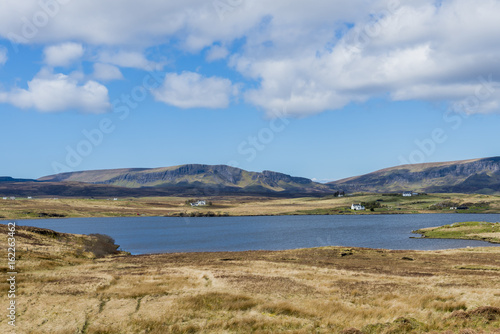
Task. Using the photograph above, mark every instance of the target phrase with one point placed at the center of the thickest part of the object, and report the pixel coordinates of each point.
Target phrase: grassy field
(467, 230)
(245, 206)
(67, 284)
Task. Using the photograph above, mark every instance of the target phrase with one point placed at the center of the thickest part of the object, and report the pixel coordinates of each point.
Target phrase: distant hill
(10, 179)
(467, 176)
(194, 176)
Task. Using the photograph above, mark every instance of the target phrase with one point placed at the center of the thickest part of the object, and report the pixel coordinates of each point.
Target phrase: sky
(320, 88)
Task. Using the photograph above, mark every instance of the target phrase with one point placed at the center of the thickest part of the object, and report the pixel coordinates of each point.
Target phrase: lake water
(142, 235)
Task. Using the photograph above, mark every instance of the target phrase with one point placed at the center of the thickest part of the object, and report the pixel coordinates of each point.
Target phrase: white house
(357, 207)
(5, 198)
(29, 197)
(199, 203)
(407, 194)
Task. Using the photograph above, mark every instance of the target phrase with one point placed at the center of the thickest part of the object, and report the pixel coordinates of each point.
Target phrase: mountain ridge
(197, 175)
(463, 176)
(466, 176)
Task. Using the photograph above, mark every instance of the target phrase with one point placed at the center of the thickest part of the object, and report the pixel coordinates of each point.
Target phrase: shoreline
(489, 242)
(257, 215)
(481, 231)
(86, 285)
(242, 206)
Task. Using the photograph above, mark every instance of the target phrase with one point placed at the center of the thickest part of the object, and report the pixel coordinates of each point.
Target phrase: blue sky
(319, 89)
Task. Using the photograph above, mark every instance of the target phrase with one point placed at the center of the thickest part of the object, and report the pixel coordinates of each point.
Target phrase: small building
(357, 207)
(407, 194)
(115, 199)
(12, 198)
(199, 203)
(5, 198)
(29, 197)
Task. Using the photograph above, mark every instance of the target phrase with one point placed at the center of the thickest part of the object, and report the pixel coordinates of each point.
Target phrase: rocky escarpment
(276, 178)
(480, 175)
(10, 179)
(219, 174)
(196, 175)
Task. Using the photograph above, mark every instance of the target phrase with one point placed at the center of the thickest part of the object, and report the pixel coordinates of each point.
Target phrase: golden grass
(297, 291)
(466, 230)
(232, 205)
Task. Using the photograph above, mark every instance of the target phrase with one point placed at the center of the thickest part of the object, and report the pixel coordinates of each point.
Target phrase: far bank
(34, 208)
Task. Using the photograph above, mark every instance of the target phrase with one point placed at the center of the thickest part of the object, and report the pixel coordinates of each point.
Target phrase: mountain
(10, 179)
(467, 176)
(220, 178)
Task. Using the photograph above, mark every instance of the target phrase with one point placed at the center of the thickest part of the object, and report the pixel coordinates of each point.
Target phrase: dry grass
(64, 290)
(465, 230)
(233, 205)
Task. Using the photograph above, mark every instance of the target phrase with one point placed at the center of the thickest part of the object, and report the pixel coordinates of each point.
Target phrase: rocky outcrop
(280, 177)
(10, 179)
(481, 175)
(196, 175)
(220, 173)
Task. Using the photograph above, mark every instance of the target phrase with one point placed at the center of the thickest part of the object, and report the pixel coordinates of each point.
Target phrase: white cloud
(307, 56)
(132, 59)
(191, 90)
(217, 52)
(106, 72)
(196, 23)
(3, 55)
(63, 54)
(49, 92)
(418, 52)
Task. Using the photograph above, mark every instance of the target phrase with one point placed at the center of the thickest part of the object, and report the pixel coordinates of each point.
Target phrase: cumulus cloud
(132, 59)
(217, 52)
(106, 72)
(3, 55)
(415, 52)
(191, 90)
(307, 57)
(49, 92)
(63, 54)
(195, 23)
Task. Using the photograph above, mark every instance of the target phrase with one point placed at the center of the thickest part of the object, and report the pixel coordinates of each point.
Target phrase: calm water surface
(142, 235)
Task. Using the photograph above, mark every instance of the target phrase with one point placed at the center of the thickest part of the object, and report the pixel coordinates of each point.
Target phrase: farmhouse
(357, 207)
(407, 194)
(199, 203)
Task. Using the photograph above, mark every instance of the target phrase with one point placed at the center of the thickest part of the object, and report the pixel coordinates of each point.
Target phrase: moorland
(82, 284)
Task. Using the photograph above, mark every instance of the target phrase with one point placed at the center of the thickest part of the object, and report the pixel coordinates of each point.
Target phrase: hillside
(221, 177)
(467, 176)
(10, 179)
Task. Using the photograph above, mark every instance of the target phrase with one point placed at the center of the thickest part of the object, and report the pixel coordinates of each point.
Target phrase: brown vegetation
(65, 288)
(243, 206)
